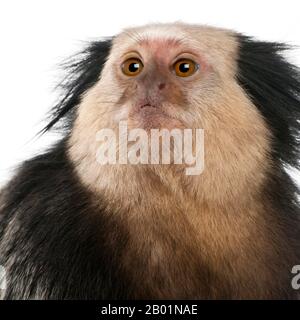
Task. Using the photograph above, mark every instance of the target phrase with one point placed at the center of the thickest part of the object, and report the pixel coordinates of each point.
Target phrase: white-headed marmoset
(73, 229)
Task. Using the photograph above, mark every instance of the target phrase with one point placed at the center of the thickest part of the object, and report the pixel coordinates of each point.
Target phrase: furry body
(71, 229)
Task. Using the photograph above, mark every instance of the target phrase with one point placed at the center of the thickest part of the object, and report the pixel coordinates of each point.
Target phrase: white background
(36, 35)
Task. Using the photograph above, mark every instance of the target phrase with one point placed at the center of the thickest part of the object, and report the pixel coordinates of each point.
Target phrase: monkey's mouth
(149, 112)
(147, 105)
(151, 116)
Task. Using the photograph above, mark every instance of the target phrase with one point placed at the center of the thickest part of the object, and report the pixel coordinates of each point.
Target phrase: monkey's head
(241, 92)
(164, 76)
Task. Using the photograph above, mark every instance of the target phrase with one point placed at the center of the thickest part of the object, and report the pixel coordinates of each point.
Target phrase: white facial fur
(236, 138)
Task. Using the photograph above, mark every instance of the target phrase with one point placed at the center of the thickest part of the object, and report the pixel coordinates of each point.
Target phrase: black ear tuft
(83, 70)
(273, 84)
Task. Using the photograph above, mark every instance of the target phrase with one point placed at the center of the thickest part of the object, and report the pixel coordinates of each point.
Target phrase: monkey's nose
(161, 86)
(147, 105)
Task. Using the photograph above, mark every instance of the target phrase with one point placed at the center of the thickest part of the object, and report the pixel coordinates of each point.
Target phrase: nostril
(161, 86)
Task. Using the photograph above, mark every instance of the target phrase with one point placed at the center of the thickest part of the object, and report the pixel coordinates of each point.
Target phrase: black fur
(55, 239)
(83, 70)
(274, 86)
(60, 249)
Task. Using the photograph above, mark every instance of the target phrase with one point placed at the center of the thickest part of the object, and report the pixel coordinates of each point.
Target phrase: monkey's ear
(273, 84)
(83, 71)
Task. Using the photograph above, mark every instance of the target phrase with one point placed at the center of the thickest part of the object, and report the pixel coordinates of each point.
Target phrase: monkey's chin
(153, 118)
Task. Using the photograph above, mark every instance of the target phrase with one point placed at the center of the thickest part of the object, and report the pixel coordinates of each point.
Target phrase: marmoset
(71, 228)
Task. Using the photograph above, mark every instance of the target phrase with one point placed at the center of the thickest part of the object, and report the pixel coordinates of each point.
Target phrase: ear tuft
(83, 71)
(273, 84)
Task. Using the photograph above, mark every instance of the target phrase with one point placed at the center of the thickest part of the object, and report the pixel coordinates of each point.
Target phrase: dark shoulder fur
(54, 239)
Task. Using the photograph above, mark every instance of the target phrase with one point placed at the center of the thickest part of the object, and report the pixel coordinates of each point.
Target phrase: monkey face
(160, 77)
(157, 77)
(178, 76)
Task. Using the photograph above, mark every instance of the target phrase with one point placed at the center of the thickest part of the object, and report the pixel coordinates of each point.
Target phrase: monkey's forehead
(219, 46)
(180, 32)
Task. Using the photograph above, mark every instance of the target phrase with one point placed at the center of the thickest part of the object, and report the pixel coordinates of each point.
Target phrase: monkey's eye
(132, 67)
(185, 67)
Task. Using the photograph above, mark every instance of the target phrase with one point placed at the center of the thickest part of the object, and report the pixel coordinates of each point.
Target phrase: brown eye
(185, 67)
(132, 67)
